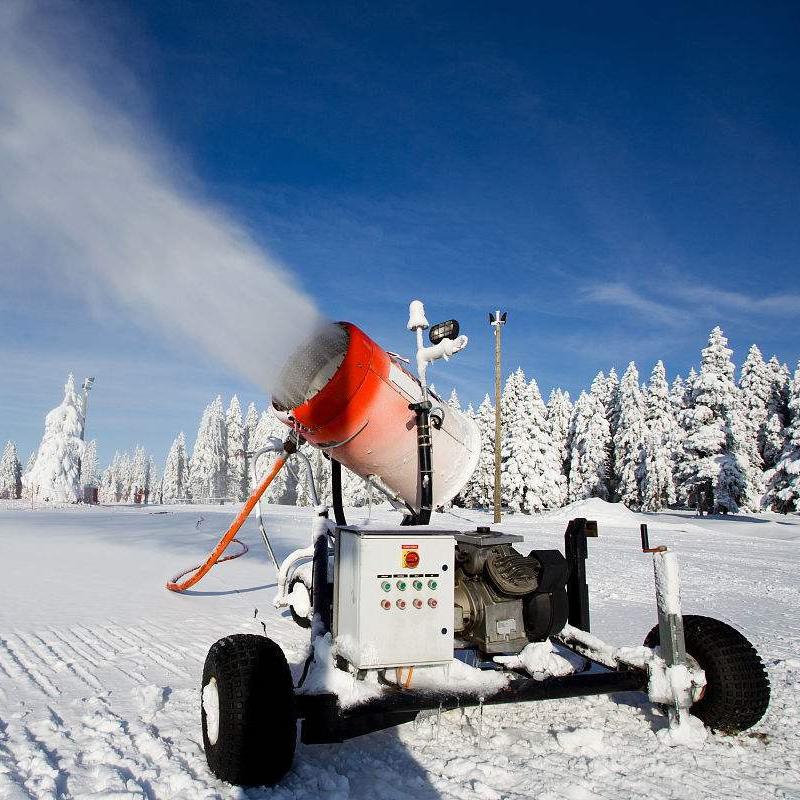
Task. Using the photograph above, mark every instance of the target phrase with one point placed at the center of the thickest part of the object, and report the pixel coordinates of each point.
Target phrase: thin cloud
(620, 294)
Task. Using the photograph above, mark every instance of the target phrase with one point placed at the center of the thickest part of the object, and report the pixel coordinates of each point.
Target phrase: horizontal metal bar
(324, 722)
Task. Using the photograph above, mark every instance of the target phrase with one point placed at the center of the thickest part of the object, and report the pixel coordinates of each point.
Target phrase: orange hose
(202, 569)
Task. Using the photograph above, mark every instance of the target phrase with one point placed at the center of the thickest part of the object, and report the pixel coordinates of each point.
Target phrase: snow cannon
(391, 608)
(346, 395)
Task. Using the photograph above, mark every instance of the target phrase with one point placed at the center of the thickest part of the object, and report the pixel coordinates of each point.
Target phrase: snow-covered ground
(100, 666)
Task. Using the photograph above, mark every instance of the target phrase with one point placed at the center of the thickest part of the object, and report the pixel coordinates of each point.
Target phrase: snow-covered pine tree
(176, 476)
(355, 490)
(469, 494)
(208, 470)
(774, 433)
(124, 477)
(269, 427)
(715, 468)
(250, 425)
(657, 482)
(106, 492)
(514, 452)
(629, 439)
(10, 473)
(154, 482)
(235, 439)
(755, 386)
(783, 480)
(482, 491)
(610, 398)
(589, 446)
(677, 395)
(89, 476)
(55, 475)
(140, 476)
(559, 413)
(545, 484)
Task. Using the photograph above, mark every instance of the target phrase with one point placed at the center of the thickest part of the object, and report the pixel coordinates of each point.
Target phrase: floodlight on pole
(497, 319)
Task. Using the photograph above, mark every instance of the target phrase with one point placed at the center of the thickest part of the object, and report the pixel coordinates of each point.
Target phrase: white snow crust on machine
(394, 600)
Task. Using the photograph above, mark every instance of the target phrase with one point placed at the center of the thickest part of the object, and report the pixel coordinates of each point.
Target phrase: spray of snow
(91, 191)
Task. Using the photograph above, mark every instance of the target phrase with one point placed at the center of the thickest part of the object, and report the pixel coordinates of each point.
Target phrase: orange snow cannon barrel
(350, 398)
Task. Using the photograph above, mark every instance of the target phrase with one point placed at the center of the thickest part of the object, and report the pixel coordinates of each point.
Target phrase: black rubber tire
(257, 716)
(737, 691)
(303, 622)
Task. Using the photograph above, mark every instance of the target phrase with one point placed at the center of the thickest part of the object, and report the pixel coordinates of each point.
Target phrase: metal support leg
(576, 552)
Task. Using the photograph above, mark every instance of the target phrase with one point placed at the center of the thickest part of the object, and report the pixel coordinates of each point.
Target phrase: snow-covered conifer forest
(712, 441)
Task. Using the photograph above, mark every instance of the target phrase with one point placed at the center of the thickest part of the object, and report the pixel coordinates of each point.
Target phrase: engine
(503, 600)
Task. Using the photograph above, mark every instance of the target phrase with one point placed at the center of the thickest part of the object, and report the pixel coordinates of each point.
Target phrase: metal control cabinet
(393, 598)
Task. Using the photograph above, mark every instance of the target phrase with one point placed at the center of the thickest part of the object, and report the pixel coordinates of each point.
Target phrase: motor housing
(504, 600)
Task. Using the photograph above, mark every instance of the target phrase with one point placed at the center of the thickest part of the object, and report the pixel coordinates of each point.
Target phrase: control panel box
(393, 599)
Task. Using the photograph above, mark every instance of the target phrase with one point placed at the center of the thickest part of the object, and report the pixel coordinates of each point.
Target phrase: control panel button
(432, 584)
(418, 603)
(417, 585)
(400, 604)
(410, 559)
(386, 586)
(402, 585)
(386, 605)
(432, 602)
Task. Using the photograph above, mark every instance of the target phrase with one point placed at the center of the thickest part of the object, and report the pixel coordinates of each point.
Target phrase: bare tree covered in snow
(10, 473)
(55, 475)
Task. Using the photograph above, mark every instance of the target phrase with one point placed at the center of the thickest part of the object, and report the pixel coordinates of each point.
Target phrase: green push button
(401, 585)
(417, 585)
(386, 586)
(432, 584)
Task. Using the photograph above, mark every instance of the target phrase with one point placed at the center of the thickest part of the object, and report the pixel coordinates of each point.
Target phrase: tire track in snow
(93, 638)
(144, 645)
(28, 671)
(73, 665)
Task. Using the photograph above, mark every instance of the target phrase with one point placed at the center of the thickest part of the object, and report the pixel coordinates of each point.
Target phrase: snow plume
(91, 191)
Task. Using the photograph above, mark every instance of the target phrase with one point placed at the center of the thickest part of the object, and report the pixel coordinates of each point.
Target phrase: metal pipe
(336, 492)
(272, 447)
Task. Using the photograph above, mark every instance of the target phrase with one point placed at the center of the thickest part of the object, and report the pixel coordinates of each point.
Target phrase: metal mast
(497, 319)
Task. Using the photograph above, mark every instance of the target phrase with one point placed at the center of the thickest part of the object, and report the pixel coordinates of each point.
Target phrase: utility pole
(497, 319)
(87, 384)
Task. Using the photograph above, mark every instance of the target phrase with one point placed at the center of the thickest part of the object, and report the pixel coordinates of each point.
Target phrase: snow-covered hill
(100, 666)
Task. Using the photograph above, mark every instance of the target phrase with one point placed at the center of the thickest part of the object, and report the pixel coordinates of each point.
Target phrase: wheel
(248, 711)
(304, 603)
(736, 695)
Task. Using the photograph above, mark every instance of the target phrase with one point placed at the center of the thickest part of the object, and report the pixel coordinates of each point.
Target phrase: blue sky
(619, 178)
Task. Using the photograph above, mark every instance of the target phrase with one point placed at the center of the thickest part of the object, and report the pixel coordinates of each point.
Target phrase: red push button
(385, 604)
(418, 603)
(432, 603)
(401, 603)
